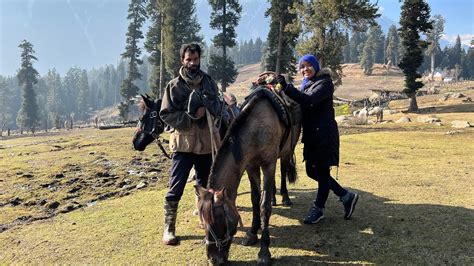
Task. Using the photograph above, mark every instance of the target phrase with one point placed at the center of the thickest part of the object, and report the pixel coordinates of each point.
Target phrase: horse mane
(231, 142)
(205, 210)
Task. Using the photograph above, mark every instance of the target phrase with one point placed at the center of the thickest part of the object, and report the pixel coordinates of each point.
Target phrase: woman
(320, 135)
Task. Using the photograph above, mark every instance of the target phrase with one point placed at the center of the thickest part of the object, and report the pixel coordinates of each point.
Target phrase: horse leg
(264, 255)
(251, 237)
(284, 168)
(274, 199)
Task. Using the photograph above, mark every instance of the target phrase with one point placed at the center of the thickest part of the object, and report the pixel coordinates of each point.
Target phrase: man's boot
(169, 232)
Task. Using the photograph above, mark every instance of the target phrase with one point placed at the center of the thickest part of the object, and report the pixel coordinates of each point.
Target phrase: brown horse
(254, 142)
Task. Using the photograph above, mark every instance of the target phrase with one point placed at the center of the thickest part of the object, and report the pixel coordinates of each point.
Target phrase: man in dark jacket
(190, 106)
(320, 135)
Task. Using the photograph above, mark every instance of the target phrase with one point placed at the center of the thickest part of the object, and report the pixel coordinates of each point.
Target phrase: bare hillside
(355, 85)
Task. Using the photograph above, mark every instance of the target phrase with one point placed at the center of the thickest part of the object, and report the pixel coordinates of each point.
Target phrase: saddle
(264, 87)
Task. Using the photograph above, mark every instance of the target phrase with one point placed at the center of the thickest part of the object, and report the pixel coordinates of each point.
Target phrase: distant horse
(254, 142)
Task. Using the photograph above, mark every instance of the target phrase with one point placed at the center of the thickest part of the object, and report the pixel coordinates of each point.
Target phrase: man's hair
(191, 48)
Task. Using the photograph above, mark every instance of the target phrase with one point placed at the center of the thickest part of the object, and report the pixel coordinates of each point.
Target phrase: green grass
(416, 206)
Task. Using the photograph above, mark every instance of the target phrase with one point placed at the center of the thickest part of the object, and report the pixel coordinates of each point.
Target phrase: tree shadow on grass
(380, 231)
(454, 108)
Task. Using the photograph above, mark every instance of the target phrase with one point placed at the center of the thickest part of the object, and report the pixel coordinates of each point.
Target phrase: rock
(403, 119)
(342, 119)
(460, 124)
(457, 95)
(452, 132)
(92, 152)
(42, 202)
(53, 205)
(27, 176)
(390, 112)
(439, 124)
(428, 119)
(141, 185)
(467, 100)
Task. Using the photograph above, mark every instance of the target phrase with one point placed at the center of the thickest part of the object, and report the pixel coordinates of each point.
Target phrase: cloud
(465, 38)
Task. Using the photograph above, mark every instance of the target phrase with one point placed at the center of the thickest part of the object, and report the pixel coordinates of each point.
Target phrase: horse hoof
(264, 260)
(250, 239)
(287, 202)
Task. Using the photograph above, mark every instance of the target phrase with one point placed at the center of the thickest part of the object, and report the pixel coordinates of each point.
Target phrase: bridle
(157, 124)
(227, 237)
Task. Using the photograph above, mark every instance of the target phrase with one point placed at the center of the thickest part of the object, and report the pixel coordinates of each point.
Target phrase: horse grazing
(254, 142)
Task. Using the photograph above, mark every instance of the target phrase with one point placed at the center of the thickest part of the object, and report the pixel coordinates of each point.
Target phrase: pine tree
(414, 19)
(137, 16)
(347, 50)
(27, 78)
(356, 45)
(180, 26)
(225, 17)
(54, 98)
(393, 42)
(378, 43)
(455, 53)
(469, 62)
(281, 41)
(368, 54)
(320, 22)
(153, 45)
(433, 37)
(5, 99)
(83, 99)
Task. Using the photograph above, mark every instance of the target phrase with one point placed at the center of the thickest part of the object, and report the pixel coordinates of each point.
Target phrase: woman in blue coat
(320, 135)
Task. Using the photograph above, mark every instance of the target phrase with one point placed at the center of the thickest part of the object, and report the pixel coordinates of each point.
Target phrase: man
(190, 107)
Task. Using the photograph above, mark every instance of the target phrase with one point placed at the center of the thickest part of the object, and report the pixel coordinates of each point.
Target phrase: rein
(152, 132)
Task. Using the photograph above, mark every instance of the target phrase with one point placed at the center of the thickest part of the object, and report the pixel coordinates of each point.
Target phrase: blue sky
(91, 33)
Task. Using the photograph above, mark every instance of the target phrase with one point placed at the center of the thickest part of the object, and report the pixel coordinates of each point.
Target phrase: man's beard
(193, 70)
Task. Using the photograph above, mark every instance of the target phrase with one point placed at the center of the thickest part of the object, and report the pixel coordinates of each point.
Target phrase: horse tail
(292, 174)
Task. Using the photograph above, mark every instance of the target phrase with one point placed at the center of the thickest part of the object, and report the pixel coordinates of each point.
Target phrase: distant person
(320, 135)
(186, 100)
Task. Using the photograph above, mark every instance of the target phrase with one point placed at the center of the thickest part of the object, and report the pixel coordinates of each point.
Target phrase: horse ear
(200, 191)
(219, 196)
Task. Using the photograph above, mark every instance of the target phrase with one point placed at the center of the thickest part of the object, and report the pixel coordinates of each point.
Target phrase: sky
(91, 33)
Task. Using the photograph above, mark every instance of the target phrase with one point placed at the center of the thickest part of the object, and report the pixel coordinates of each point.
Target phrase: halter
(227, 237)
(152, 132)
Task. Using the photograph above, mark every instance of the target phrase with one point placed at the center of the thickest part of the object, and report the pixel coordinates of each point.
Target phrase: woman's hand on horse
(282, 81)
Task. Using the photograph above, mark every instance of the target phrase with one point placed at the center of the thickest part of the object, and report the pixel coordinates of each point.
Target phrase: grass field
(86, 197)
(416, 207)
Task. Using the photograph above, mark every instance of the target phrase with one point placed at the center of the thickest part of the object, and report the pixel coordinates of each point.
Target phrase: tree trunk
(160, 87)
(224, 31)
(432, 65)
(413, 106)
(280, 37)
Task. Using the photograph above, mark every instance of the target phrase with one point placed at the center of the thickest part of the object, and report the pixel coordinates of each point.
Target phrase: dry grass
(417, 207)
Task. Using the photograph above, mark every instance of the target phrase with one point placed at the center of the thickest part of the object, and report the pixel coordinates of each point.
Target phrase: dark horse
(254, 142)
(150, 127)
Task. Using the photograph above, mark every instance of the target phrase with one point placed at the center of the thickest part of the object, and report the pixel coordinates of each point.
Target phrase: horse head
(220, 218)
(150, 125)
